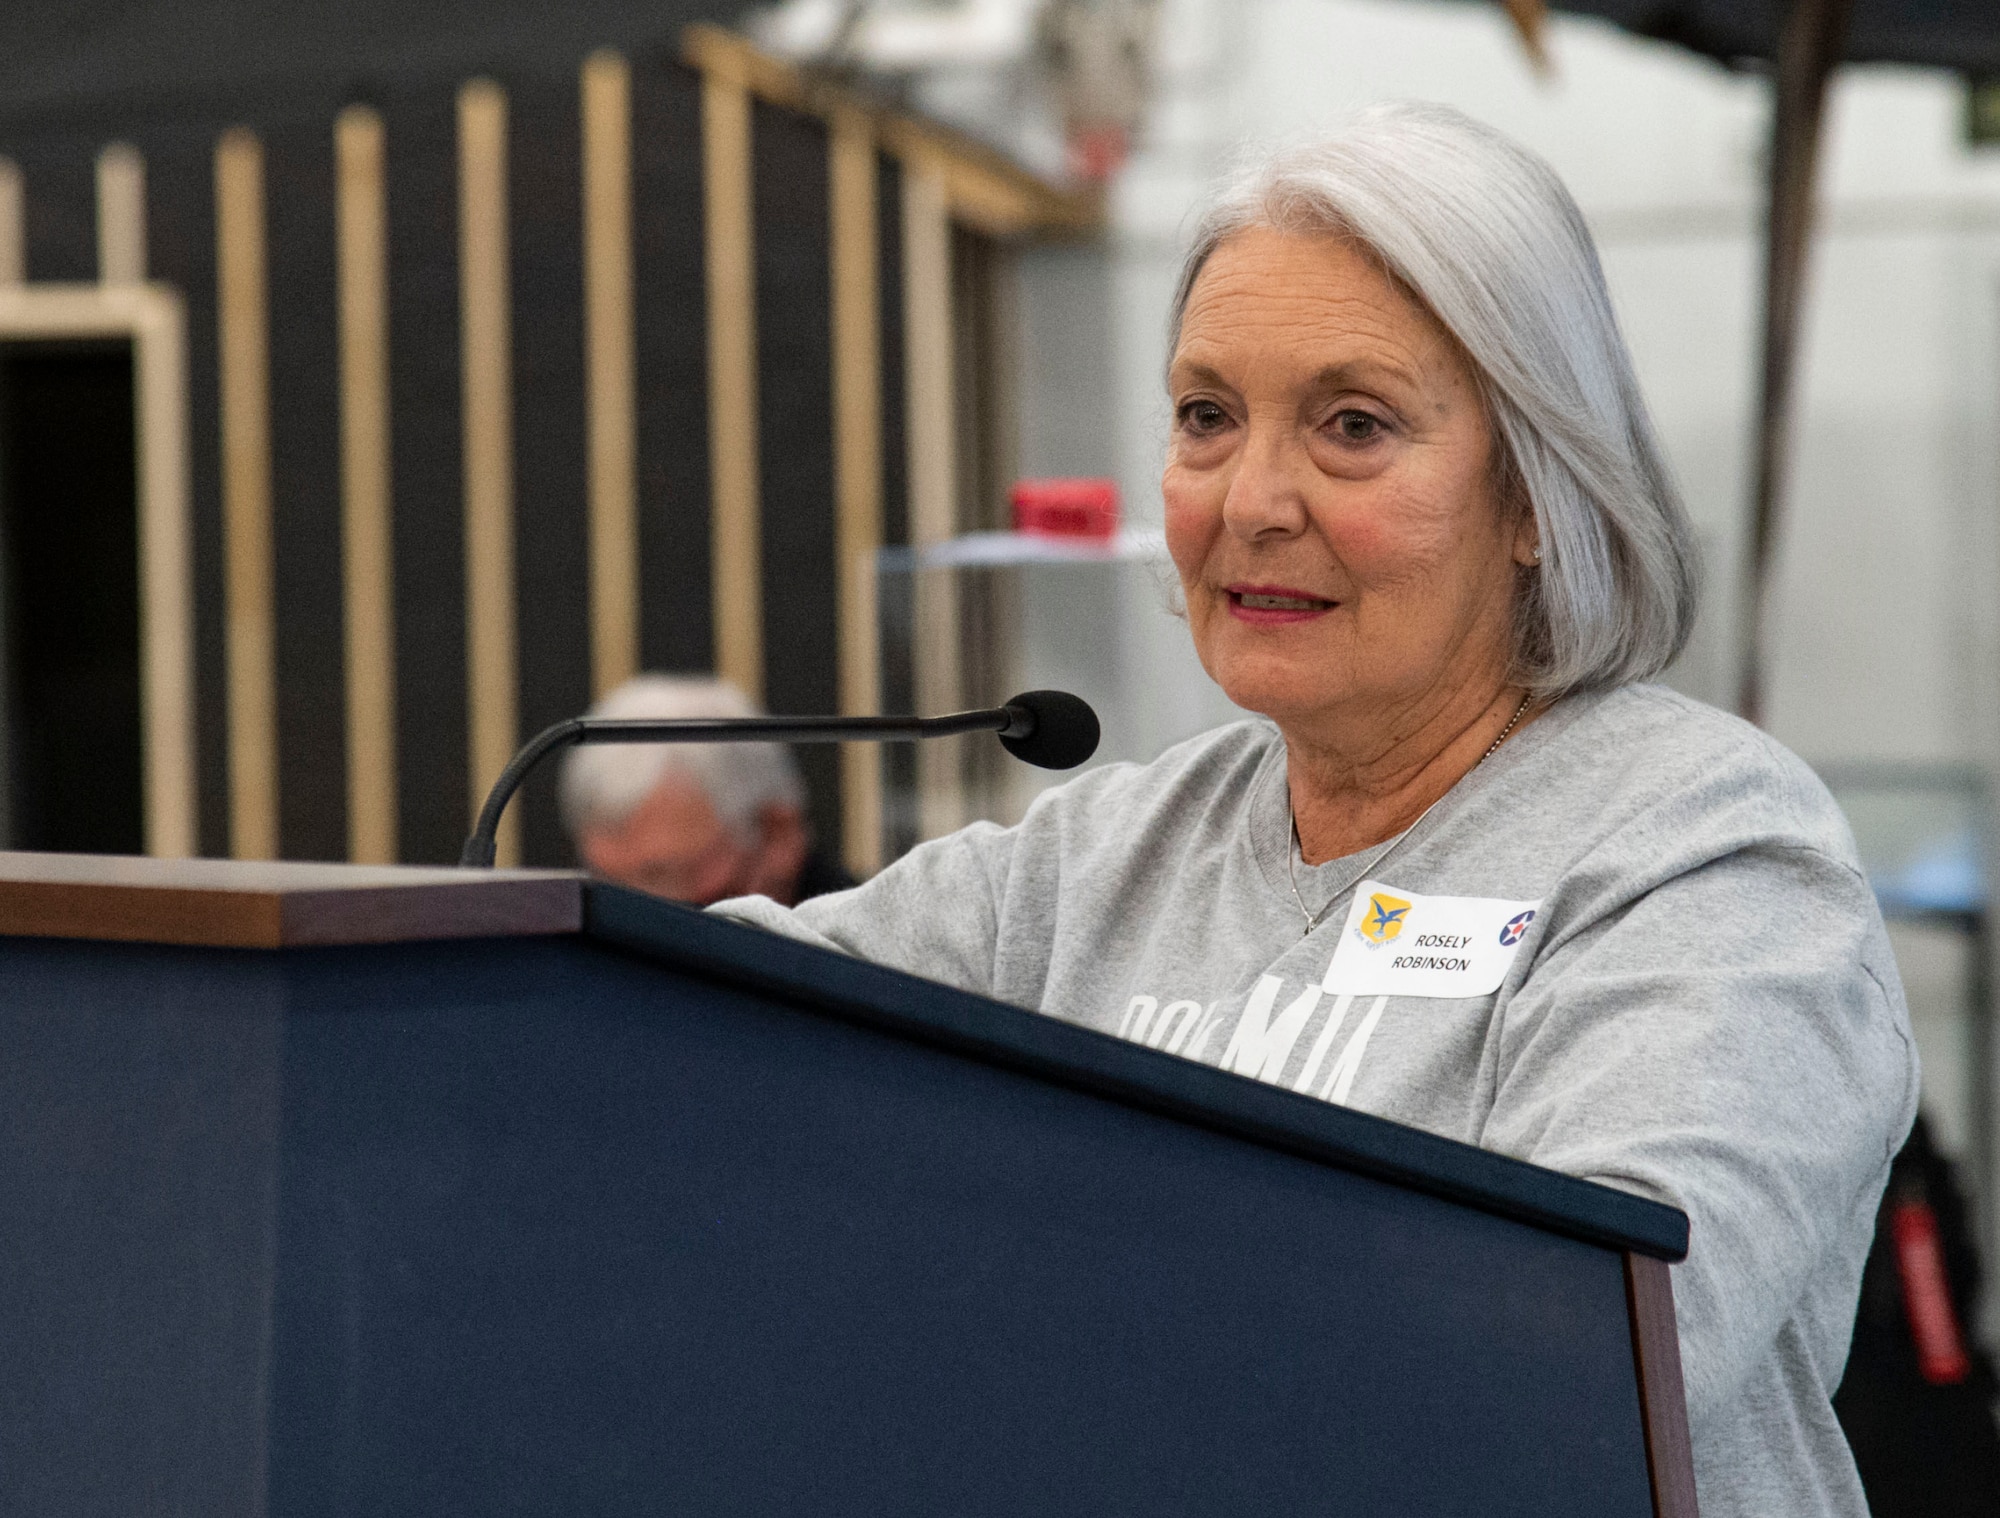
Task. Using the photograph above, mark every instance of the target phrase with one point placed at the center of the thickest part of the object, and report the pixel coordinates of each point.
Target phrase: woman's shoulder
(1683, 760)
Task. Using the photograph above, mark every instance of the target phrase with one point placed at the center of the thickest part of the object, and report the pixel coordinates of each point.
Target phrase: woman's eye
(1203, 416)
(1356, 426)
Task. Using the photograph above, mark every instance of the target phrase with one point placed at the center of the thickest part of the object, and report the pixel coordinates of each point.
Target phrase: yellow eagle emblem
(1384, 917)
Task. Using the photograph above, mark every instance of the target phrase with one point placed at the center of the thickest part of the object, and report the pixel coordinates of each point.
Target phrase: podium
(340, 1190)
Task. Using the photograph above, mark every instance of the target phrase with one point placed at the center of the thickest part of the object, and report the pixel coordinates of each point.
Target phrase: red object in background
(1097, 152)
(1066, 508)
(1941, 1355)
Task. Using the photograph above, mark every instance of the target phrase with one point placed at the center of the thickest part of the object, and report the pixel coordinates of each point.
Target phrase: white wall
(1887, 562)
(1886, 643)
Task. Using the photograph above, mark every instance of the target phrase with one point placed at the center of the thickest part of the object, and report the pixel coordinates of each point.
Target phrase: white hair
(602, 784)
(1484, 234)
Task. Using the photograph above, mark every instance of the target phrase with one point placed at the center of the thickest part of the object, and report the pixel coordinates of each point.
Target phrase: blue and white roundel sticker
(1399, 943)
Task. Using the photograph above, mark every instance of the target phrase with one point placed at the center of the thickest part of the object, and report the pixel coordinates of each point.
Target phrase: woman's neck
(1347, 796)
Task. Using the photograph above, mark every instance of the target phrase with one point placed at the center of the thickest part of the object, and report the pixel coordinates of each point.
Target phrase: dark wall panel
(796, 452)
(895, 443)
(675, 624)
(74, 758)
(551, 468)
(795, 438)
(899, 760)
(69, 529)
(305, 492)
(180, 235)
(429, 535)
(61, 244)
(59, 177)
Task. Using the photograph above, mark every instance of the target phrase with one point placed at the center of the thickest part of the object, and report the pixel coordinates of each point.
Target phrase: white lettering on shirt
(1261, 1050)
(1261, 1047)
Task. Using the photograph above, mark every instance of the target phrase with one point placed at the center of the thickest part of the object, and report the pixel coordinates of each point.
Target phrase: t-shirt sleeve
(934, 912)
(1731, 1042)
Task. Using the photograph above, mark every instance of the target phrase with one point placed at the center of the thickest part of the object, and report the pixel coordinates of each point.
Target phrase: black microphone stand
(1060, 718)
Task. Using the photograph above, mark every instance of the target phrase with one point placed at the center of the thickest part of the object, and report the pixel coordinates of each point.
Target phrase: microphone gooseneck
(1049, 728)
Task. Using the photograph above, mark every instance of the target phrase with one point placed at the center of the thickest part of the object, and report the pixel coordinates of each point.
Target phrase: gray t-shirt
(1702, 1008)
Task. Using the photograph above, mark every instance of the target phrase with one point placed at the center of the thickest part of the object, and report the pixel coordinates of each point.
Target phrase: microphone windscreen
(1062, 730)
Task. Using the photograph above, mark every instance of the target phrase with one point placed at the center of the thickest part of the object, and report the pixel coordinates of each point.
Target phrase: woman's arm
(934, 912)
(1732, 1042)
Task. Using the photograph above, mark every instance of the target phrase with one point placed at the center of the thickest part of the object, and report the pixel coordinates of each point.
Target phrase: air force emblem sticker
(1383, 920)
(1399, 943)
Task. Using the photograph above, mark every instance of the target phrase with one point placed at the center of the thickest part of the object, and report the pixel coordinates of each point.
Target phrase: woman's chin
(1283, 696)
(1279, 678)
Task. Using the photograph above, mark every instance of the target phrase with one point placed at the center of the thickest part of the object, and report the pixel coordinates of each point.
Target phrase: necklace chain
(1293, 845)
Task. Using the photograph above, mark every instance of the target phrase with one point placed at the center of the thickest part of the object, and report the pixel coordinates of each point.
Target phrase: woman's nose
(1265, 498)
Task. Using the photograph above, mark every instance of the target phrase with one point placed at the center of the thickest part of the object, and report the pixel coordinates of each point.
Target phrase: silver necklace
(1293, 846)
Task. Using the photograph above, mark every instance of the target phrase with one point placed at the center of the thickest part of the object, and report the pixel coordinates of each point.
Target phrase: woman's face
(1330, 492)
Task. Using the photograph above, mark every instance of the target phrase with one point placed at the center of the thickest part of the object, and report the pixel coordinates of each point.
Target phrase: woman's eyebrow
(1349, 374)
(1361, 373)
(1186, 373)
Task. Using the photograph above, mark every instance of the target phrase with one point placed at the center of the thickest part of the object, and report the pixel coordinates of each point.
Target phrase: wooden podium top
(254, 905)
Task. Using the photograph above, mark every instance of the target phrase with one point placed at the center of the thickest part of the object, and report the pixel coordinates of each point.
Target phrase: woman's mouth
(1274, 603)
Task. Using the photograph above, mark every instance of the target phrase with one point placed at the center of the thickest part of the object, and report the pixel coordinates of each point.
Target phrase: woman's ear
(1516, 505)
(1527, 530)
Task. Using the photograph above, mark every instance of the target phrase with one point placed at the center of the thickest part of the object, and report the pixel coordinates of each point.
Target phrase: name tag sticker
(1397, 943)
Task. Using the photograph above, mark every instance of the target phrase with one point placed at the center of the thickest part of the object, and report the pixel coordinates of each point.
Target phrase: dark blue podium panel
(548, 1226)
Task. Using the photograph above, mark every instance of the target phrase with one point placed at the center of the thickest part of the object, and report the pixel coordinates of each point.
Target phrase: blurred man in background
(693, 822)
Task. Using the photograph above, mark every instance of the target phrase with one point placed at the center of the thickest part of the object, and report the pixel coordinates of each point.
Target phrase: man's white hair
(1484, 234)
(603, 784)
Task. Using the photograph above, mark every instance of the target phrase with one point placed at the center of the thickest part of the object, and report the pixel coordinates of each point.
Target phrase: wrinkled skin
(1338, 520)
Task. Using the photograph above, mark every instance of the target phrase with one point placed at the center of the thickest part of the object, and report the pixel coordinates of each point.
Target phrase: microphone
(1048, 728)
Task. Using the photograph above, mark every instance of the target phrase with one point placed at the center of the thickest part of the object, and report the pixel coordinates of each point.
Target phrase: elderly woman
(1466, 870)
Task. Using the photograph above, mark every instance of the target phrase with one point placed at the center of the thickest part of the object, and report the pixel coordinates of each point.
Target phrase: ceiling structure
(83, 57)
(1954, 34)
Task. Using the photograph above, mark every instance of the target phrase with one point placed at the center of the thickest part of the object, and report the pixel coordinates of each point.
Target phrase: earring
(1534, 556)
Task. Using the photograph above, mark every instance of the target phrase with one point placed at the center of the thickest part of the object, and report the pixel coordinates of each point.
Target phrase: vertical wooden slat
(486, 359)
(166, 574)
(121, 215)
(857, 454)
(165, 562)
(930, 432)
(243, 320)
(736, 563)
(609, 374)
(366, 503)
(13, 226)
(932, 399)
